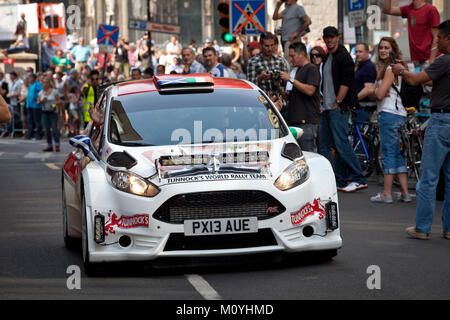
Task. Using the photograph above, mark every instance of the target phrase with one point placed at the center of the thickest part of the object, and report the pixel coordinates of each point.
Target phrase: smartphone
(392, 57)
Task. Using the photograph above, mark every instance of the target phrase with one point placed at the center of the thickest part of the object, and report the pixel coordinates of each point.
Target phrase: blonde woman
(392, 118)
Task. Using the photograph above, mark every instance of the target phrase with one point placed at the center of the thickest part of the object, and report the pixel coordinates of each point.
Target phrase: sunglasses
(316, 55)
(94, 79)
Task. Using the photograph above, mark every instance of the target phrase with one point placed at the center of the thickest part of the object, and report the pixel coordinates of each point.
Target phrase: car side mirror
(296, 132)
(84, 144)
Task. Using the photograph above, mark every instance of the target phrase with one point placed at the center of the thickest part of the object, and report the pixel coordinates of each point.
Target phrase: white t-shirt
(388, 103)
(50, 104)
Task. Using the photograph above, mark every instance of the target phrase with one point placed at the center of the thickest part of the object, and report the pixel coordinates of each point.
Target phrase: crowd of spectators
(315, 87)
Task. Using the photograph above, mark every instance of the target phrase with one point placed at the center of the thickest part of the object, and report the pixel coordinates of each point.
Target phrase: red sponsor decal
(308, 210)
(125, 222)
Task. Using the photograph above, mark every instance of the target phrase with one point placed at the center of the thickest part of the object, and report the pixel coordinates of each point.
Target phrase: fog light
(99, 228)
(332, 215)
(308, 231)
(124, 241)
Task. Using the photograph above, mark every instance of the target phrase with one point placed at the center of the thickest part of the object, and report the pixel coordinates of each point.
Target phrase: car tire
(70, 242)
(89, 268)
(326, 255)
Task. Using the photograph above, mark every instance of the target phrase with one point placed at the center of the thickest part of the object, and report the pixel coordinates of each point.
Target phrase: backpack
(410, 95)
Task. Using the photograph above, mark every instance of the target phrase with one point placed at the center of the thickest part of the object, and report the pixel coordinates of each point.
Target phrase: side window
(98, 116)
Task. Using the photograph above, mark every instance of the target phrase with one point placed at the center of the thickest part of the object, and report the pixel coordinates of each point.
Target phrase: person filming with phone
(392, 118)
(436, 147)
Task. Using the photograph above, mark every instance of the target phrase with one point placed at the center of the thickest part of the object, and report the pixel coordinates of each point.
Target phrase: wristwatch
(401, 71)
(338, 102)
(291, 80)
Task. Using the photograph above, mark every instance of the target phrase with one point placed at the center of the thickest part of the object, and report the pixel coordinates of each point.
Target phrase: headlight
(131, 183)
(293, 176)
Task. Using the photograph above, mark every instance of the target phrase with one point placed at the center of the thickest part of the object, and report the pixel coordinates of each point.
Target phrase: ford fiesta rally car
(183, 166)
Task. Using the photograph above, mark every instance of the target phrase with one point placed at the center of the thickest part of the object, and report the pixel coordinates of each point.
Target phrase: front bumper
(301, 227)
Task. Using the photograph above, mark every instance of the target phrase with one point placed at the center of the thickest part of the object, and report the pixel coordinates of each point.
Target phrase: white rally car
(183, 166)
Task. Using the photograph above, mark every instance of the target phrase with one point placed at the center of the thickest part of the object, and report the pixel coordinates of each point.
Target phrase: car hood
(185, 160)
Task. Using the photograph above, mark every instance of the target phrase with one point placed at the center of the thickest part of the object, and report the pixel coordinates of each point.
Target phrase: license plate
(220, 226)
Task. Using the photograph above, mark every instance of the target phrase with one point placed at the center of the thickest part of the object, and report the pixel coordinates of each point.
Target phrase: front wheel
(89, 268)
(70, 242)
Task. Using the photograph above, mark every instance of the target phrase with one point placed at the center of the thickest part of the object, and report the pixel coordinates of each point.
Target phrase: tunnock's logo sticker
(125, 222)
(308, 210)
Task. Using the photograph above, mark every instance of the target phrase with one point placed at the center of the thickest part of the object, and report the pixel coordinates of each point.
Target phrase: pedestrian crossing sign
(248, 16)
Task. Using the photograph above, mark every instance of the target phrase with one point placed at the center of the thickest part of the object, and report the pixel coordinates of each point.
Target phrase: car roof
(149, 85)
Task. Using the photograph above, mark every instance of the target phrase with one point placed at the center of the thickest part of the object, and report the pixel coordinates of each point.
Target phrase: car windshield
(225, 115)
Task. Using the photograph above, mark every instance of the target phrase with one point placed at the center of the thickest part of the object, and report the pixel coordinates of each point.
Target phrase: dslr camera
(274, 74)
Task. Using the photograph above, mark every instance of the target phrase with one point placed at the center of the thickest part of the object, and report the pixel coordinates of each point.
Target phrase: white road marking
(1, 153)
(203, 287)
(36, 155)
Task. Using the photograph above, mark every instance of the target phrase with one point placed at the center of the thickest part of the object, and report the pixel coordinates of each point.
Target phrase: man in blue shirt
(81, 55)
(365, 75)
(34, 111)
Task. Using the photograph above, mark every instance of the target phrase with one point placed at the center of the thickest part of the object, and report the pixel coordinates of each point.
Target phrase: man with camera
(304, 100)
(264, 68)
(295, 22)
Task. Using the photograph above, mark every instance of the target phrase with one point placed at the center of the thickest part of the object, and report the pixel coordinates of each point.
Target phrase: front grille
(178, 241)
(219, 204)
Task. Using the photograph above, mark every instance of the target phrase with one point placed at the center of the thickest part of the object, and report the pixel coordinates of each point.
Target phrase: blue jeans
(391, 157)
(334, 131)
(34, 119)
(16, 49)
(51, 123)
(308, 142)
(435, 155)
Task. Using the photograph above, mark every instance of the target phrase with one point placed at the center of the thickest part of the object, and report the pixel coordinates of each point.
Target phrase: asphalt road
(34, 261)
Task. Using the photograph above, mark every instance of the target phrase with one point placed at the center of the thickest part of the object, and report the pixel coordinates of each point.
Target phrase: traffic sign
(353, 5)
(108, 35)
(248, 15)
(356, 18)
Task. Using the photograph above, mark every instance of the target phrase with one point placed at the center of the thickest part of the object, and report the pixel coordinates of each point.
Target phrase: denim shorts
(393, 161)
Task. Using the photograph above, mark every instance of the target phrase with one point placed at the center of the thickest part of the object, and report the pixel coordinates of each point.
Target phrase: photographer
(264, 68)
(304, 100)
(295, 22)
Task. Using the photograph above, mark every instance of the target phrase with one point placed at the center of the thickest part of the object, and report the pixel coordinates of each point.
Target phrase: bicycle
(411, 144)
(365, 140)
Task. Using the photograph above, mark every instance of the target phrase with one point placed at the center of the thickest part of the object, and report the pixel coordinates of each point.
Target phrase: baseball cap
(330, 32)
(208, 40)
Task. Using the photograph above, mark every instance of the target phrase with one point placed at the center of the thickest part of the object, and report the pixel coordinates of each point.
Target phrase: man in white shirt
(14, 89)
(173, 49)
